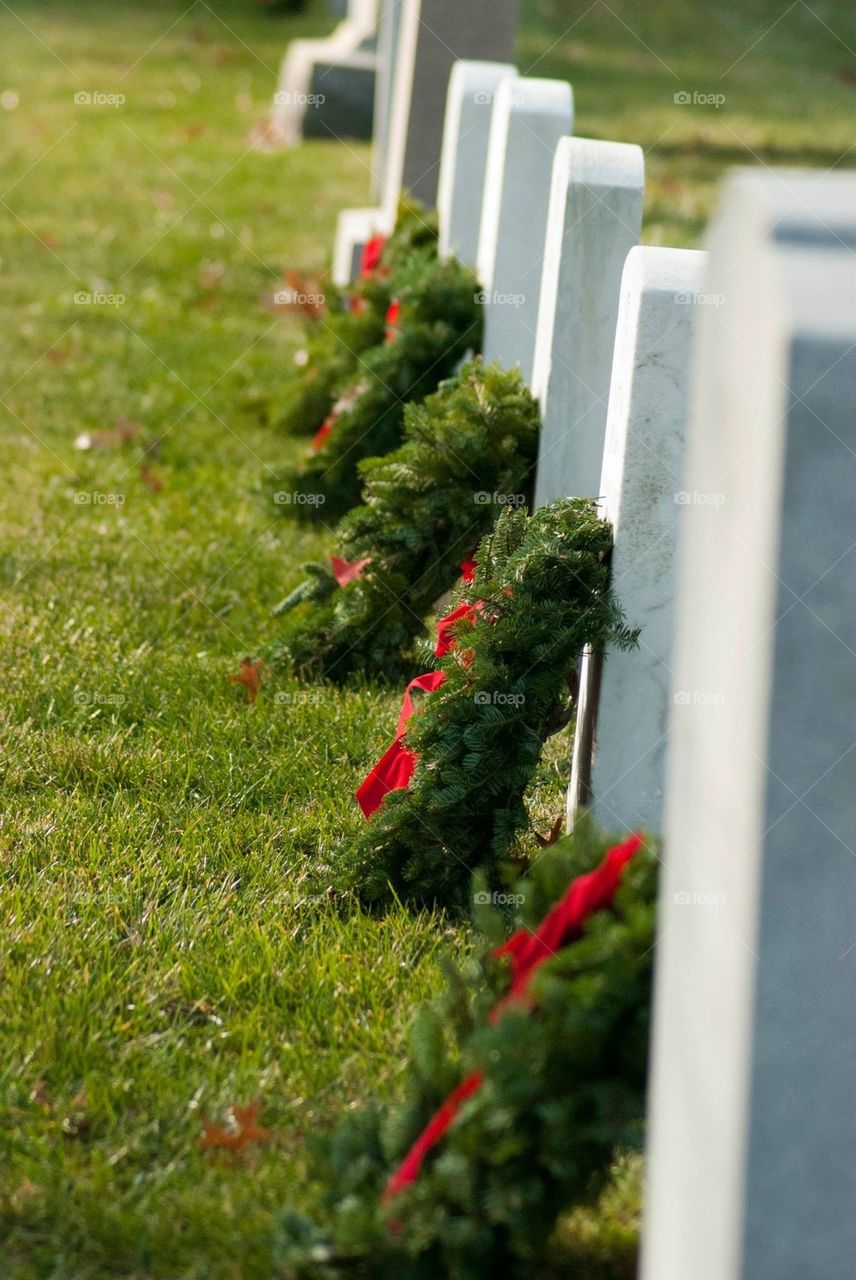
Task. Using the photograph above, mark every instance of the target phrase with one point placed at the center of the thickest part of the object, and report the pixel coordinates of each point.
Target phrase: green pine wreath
(468, 449)
(563, 1096)
(541, 593)
(439, 323)
(355, 322)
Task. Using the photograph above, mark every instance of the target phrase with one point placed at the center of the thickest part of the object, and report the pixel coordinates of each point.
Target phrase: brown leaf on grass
(24, 1192)
(302, 295)
(123, 432)
(150, 479)
(250, 676)
(39, 1095)
(126, 430)
(544, 842)
(57, 355)
(263, 137)
(77, 1123)
(241, 1131)
(210, 274)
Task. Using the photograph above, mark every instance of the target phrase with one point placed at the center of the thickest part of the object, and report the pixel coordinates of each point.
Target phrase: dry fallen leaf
(240, 1132)
(151, 480)
(210, 274)
(77, 1123)
(39, 1095)
(249, 676)
(126, 430)
(555, 833)
(302, 295)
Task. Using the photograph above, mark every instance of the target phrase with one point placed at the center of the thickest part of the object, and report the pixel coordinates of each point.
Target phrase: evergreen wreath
(425, 508)
(355, 323)
(541, 593)
(438, 319)
(561, 1094)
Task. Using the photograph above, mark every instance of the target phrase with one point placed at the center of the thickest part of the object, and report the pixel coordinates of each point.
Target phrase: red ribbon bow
(323, 432)
(345, 571)
(394, 770)
(393, 318)
(371, 255)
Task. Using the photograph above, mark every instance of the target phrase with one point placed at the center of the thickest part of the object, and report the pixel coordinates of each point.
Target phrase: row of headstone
(730, 727)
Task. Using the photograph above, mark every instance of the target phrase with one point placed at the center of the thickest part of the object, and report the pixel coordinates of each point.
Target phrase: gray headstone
(529, 118)
(595, 219)
(463, 162)
(433, 35)
(344, 91)
(752, 1122)
(625, 699)
(326, 87)
(353, 231)
(389, 28)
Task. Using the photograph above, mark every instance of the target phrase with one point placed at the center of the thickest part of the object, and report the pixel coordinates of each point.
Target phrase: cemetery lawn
(166, 945)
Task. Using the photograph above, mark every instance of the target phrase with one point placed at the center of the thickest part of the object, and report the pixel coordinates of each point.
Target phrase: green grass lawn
(166, 945)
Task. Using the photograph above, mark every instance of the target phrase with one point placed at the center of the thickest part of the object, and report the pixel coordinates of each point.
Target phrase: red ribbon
(561, 927)
(323, 432)
(394, 770)
(345, 571)
(393, 317)
(439, 1124)
(564, 924)
(468, 570)
(371, 255)
(445, 639)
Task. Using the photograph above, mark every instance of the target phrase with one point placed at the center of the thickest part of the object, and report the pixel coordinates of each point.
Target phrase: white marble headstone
(595, 219)
(641, 495)
(752, 1112)
(529, 118)
(389, 27)
(469, 106)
